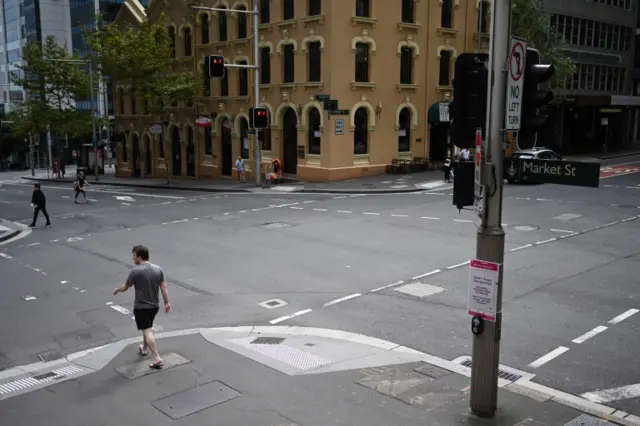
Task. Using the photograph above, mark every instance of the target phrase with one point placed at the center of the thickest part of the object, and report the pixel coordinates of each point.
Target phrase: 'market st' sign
(552, 171)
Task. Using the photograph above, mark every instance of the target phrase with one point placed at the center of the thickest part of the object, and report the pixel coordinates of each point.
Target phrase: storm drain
(29, 382)
(275, 225)
(512, 377)
(587, 420)
(50, 356)
(268, 341)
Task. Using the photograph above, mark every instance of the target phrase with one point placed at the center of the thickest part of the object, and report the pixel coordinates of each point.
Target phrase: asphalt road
(571, 268)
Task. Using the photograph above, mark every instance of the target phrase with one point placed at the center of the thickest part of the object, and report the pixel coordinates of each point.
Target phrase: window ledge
(405, 155)
(444, 88)
(361, 159)
(291, 86)
(355, 20)
(363, 85)
(265, 27)
(238, 98)
(288, 23)
(319, 19)
(313, 85)
(402, 26)
(313, 159)
(240, 41)
(267, 86)
(219, 44)
(411, 87)
(447, 31)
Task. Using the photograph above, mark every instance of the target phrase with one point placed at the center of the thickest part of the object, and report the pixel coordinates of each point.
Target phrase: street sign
(444, 112)
(156, 129)
(483, 289)
(515, 82)
(478, 188)
(560, 172)
(339, 126)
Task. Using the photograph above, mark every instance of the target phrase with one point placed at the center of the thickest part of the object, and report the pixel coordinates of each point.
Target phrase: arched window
(222, 25)
(313, 145)
(172, 40)
(264, 136)
(121, 101)
(208, 140)
(361, 131)
(204, 29)
(161, 144)
(404, 130)
(244, 138)
(134, 103)
(242, 23)
(122, 138)
(186, 36)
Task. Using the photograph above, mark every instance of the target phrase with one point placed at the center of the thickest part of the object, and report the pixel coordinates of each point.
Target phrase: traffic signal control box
(258, 118)
(215, 64)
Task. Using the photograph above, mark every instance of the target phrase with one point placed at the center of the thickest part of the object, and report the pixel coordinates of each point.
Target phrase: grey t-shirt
(146, 279)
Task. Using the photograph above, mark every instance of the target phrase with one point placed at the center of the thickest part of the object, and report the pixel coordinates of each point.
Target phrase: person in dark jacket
(39, 202)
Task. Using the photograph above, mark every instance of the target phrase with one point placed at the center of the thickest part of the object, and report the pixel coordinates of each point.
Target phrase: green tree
(9, 141)
(532, 23)
(143, 56)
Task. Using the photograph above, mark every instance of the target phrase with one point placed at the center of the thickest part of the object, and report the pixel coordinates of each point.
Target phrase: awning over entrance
(433, 114)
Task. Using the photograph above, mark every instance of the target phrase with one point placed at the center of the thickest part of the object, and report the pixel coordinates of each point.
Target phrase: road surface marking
(548, 357)
(319, 210)
(180, 221)
(543, 199)
(463, 220)
(344, 211)
(563, 231)
(295, 314)
(242, 211)
(6, 256)
(615, 394)
(546, 241)
(125, 204)
(33, 244)
(165, 203)
(5, 202)
(120, 309)
(63, 282)
(308, 201)
(371, 214)
(399, 215)
(28, 298)
(623, 316)
(375, 290)
(428, 274)
(521, 247)
(610, 224)
(459, 265)
(430, 218)
(589, 334)
(297, 208)
(340, 198)
(343, 299)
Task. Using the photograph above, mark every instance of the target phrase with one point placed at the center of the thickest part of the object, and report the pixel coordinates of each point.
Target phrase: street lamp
(93, 113)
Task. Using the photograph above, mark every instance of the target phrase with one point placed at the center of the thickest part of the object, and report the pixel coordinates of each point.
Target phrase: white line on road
(521, 247)
(343, 299)
(33, 244)
(296, 314)
(430, 218)
(375, 290)
(546, 241)
(543, 199)
(180, 221)
(120, 309)
(459, 265)
(589, 334)
(428, 274)
(371, 214)
(297, 208)
(340, 198)
(623, 316)
(308, 201)
(399, 215)
(610, 224)
(615, 394)
(242, 211)
(345, 211)
(463, 220)
(319, 210)
(548, 357)
(562, 231)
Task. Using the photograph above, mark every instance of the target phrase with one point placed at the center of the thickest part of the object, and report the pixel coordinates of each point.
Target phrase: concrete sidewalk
(381, 184)
(268, 376)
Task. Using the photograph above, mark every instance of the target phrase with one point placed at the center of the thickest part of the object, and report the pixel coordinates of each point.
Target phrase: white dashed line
(6, 256)
(562, 231)
(63, 282)
(308, 201)
(546, 241)
(180, 221)
(120, 309)
(459, 265)
(623, 316)
(375, 290)
(589, 334)
(296, 314)
(242, 211)
(548, 357)
(463, 220)
(343, 299)
(430, 218)
(428, 274)
(29, 298)
(319, 210)
(371, 214)
(610, 224)
(521, 247)
(33, 244)
(399, 215)
(297, 208)
(345, 211)
(339, 198)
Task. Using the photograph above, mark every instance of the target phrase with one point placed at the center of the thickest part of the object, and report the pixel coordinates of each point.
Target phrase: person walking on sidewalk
(240, 169)
(39, 203)
(148, 281)
(78, 186)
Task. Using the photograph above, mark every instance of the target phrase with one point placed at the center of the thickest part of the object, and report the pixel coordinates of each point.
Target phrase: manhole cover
(50, 356)
(275, 225)
(526, 228)
(267, 341)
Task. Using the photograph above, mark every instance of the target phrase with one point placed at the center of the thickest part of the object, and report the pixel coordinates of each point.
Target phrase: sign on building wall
(339, 126)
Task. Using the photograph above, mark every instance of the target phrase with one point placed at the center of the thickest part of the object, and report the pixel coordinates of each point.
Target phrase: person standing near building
(240, 169)
(148, 281)
(39, 203)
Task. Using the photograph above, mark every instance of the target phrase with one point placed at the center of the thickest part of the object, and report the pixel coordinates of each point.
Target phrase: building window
(121, 101)
(362, 62)
(134, 103)
(288, 65)
(589, 33)
(288, 10)
(208, 141)
(206, 80)
(204, 29)
(445, 68)
(315, 61)
(244, 138)
(145, 102)
(314, 131)
(264, 136)
(242, 23)
(484, 18)
(315, 7)
(243, 80)
(265, 65)
(125, 150)
(363, 8)
(186, 35)
(161, 145)
(404, 130)
(408, 12)
(222, 25)
(406, 65)
(172, 40)
(446, 19)
(224, 85)
(265, 11)
(361, 132)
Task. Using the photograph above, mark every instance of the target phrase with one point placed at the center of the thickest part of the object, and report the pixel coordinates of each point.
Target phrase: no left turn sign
(515, 83)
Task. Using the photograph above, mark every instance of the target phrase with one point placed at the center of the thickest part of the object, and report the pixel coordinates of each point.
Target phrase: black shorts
(144, 317)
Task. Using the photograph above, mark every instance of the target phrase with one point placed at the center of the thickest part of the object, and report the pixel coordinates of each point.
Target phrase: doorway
(176, 151)
(191, 154)
(136, 155)
(290, 142)
(148, 156)
(225, 145)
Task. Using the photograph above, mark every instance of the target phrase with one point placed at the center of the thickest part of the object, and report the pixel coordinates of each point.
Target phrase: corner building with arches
(384, 63)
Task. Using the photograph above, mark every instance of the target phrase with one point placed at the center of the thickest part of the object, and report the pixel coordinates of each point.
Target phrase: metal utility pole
(49, 150)
(256, 74)
(490, 240)
(94, 139)
(32, 154)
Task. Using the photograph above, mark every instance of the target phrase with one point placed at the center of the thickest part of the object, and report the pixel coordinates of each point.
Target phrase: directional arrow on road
(615, 394)
(124, 198)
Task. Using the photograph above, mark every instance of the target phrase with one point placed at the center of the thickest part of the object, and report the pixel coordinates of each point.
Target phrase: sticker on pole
(483, 289)
(478, 188)
(515, 81)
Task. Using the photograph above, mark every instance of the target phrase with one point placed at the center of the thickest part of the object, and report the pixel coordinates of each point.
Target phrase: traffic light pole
(491, 237)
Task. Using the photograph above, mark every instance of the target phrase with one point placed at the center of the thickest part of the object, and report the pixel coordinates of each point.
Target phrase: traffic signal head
(469, 106)
(216, 66)
(259, 118)
(533, 97)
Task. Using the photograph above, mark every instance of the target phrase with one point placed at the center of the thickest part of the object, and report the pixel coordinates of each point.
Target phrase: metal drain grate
(50, 356)
(44, 376)
(512, 377)
(275, 225)
(267, 341)
(40, 379)
(587, 420)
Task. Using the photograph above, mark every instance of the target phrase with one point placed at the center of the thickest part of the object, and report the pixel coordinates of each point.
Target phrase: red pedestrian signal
(259, 118)
(216, 66)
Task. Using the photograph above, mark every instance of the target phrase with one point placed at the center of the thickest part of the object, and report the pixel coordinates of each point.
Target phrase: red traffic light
(259, 118)
(216, 66)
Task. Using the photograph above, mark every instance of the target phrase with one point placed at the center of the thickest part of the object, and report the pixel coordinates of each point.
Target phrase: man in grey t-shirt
(147, 280)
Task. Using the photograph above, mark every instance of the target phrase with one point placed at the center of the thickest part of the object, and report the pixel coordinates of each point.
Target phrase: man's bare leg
(150, 341)
(144, 346)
